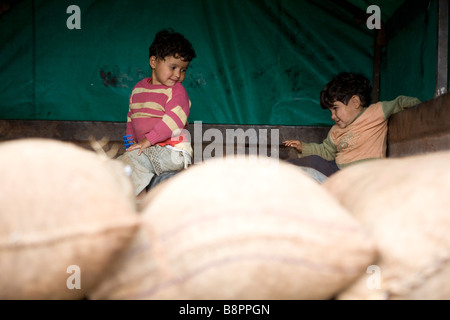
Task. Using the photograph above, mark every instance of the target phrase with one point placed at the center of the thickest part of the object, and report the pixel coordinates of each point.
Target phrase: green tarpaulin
(258, 62)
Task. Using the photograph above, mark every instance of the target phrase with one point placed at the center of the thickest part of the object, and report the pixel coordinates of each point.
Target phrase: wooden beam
(379, 43)
(82, 133)
(442, 49)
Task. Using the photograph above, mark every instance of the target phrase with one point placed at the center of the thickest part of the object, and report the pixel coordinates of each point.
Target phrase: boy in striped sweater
(158, 112)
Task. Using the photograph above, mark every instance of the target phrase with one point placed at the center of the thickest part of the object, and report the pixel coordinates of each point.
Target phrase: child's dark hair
(344, 86)
(170, 43)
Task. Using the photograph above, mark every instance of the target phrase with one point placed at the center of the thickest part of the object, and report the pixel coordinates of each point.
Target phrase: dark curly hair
(170, 43)
(344, 86)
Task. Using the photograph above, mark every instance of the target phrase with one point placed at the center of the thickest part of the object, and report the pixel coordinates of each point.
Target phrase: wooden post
(442, 49)
(379, 43)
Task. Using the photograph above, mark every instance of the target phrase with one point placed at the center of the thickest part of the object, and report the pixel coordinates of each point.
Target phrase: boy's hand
(144, 143)
(294, 144)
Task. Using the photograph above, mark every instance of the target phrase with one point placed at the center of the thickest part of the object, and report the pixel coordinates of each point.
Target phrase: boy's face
(345, 114)
(168, 71)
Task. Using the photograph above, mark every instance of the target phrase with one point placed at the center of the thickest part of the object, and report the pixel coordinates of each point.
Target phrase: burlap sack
(240, 229)
(65, 214)
(405, 204)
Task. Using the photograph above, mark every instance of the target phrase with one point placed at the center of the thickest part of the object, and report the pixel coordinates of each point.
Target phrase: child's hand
(294, 144)
(144, 143)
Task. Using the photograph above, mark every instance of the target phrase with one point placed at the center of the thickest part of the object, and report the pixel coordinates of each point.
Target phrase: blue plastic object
(127, 140)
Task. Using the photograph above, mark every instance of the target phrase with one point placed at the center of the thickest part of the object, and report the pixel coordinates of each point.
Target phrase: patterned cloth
(153, 161)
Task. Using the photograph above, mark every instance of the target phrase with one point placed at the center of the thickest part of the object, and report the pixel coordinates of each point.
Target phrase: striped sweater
(159, 113)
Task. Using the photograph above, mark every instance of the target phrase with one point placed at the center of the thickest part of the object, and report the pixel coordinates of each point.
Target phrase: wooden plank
(202, 135)
(442, 49)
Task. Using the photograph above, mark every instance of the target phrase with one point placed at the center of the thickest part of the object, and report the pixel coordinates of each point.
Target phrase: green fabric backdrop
(258, 62)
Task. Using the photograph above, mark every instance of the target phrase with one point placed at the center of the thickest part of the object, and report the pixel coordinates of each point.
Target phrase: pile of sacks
(230, 228)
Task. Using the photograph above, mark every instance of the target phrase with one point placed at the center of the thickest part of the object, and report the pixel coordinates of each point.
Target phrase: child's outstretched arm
(297, 144)
(326, 149)
(398, 104)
